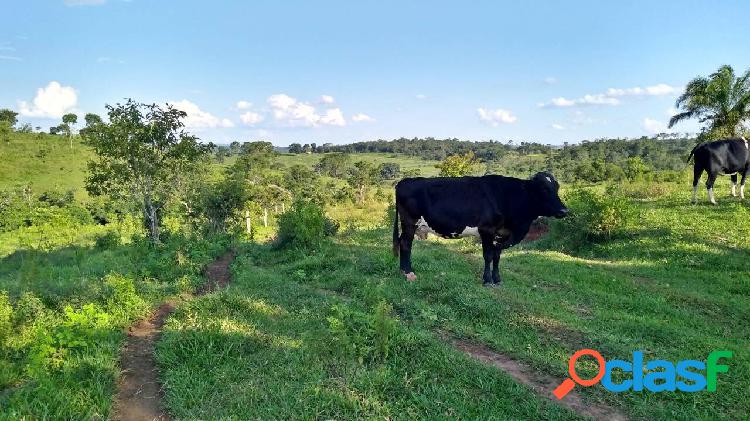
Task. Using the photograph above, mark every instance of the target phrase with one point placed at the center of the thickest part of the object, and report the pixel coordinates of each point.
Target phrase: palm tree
(722, 101)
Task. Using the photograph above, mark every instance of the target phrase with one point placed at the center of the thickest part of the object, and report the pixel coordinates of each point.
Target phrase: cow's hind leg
(742, 182)
(405, 242)
(697, 172)
(734, 185)
(710, 187)
(496, 265)
(488, 251)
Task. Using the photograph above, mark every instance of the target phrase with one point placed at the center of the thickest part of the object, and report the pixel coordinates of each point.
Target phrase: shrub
(304, 226)
(29, 309)
(594, 216)
(108, 240)
(366, 337)
(6, 317)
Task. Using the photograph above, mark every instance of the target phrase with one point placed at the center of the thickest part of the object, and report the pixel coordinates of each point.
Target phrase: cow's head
(546, 188)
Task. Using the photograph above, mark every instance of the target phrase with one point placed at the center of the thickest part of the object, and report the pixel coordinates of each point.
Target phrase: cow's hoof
(489, 285)
(714, 203)
(411, 277)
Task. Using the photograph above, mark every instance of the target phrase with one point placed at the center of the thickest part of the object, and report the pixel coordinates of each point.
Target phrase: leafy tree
(721, 101)
(363, 175)
(254, 157)
(457, 165)
(69, 120)
(5, 130)
(143, 155)
(8, 116)
(635, 168)
(92, 119)
(333, 165)
(307, 148)
(295, 148)
(389, 170)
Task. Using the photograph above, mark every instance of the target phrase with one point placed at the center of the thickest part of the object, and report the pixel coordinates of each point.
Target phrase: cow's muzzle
(562, 213)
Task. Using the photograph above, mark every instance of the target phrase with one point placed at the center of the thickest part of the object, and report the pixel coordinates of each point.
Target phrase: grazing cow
(727, 156)
(497, 209)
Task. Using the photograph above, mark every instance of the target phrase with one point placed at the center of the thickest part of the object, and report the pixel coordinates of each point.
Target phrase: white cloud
(362, 118)
(421, 96)
(654, 126)
(495, 117)
(289, 111)
(84, 2)
(52, 101)
(611, 96)
(327, 99)
(250, 118)
(550, 80)
(557, 126)
(199, 119)
(243, 105)
(334, 117)
(11, 58)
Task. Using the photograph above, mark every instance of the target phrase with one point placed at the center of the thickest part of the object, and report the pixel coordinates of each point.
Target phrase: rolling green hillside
(43, 162)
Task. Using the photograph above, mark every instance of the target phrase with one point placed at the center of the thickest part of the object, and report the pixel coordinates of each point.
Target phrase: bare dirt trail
(139, 392)
(540, 383)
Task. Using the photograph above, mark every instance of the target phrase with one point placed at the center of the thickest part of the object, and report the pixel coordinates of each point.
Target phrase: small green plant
(365, 337)
(305, 226)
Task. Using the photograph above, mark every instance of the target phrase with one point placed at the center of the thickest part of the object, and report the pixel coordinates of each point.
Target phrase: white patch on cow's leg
(742, 191)
(411, 277)
(711, 196)
(734, 189)
(470, 232)
(695, 193)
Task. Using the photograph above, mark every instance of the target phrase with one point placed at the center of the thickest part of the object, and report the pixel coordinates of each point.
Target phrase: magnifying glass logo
(568, 384)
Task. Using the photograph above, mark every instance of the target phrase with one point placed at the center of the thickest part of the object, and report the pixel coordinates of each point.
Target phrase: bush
(304, 226)
(6, 317)
(29, 309)
(594, 216)
(366, 337)
(108, 240)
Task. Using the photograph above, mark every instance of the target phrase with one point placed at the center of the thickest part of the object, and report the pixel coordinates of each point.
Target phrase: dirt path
(541, 384)
(139, 392)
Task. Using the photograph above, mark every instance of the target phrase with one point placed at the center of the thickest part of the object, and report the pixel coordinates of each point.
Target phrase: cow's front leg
(488, 251)
(405, 243)
(734, 185)
(496, 265)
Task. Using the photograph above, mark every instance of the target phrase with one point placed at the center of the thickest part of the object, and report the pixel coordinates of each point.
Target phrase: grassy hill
(46, 162)
(43, 162)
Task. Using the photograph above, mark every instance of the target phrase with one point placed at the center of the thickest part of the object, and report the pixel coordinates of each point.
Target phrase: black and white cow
(499, 210)
(727, 156)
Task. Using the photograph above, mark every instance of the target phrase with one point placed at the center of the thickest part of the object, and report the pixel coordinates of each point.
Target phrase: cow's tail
(395, 230)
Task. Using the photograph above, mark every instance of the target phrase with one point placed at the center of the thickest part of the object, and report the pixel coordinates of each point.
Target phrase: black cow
(497, 209)
(727, 156)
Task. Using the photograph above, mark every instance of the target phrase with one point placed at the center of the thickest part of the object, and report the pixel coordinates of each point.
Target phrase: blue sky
(344, 71)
